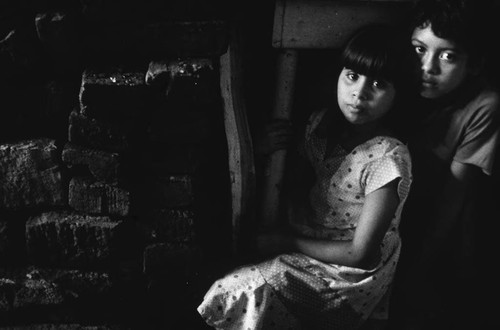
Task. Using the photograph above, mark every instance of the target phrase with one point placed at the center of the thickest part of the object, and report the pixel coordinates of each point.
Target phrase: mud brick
(185, 38)
(57, 31)
(4, 239)
(96, 134)
(193, 80)
(114, 94)
(69, 239)
(117, 200)
(172, 191)
(38, 287)
(11, 239)
(101, 164)
(165, 158)
(7, 289)
(173, 225)
(89, 196)
(176, 258)
(86, 196)
(23, 49)
(37, 292)
(30, 175)
(188, 131)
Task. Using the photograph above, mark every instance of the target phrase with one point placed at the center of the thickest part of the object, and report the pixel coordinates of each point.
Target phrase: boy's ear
(476, 65)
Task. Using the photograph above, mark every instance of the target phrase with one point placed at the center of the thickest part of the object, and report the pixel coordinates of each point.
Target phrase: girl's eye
(352, 76)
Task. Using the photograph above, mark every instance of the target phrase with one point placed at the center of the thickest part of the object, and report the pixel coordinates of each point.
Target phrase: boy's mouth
(428, 83)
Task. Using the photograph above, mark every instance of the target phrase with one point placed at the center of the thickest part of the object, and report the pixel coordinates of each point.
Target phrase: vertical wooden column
(285, 87)
(239, 142)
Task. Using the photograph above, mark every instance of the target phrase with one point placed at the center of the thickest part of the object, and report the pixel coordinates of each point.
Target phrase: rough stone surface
(30, 175)
(101, 164)
(185, 39)
(96, 134)
(57, 31)
(6, 294)
(54, 238)
(38, 292)
(88, 196)
(57, 326)
(113, 94)
(172, 191)
(4, 239)
(176, 258)
(173, 225)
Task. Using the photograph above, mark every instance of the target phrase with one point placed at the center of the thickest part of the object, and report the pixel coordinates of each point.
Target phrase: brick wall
(114, 193)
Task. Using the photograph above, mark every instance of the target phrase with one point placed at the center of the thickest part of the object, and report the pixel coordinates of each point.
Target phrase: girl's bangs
(368, 61)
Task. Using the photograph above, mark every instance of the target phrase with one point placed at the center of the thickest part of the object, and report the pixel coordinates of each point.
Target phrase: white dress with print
(294, 291)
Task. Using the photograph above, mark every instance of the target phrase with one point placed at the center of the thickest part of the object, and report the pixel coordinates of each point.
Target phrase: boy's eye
(419, 49)
(379, 84)
(447, 56)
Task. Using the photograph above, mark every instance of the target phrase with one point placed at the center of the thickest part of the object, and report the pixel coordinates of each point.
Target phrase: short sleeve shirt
(467, 134)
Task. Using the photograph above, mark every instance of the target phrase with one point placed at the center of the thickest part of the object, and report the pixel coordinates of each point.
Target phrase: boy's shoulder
(485, 105)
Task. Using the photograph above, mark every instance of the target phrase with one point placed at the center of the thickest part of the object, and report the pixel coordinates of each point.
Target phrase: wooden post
(239, 142)
(285, 87)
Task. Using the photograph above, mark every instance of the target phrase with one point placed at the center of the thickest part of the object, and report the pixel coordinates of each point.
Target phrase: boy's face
(443, 65)
(363, 99)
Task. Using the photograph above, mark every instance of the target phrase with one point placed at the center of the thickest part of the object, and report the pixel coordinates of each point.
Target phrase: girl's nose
(361, 89)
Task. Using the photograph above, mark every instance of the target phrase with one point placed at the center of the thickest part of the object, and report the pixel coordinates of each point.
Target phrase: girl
(336, 263)
(453, 146)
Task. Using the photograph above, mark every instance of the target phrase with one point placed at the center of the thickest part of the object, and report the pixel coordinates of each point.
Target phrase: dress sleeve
(481, 137)
(313, 121)
(391, 166)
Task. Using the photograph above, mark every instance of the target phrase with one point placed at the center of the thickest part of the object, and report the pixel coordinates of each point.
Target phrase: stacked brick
(108, 162)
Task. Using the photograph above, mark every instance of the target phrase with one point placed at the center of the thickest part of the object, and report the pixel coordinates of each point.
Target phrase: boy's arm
(457, 187)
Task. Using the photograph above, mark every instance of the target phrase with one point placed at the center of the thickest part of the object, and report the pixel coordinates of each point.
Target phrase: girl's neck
(353, 135)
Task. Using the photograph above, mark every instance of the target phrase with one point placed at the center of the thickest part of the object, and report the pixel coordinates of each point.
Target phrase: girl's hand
(273, 243)
(278, 135)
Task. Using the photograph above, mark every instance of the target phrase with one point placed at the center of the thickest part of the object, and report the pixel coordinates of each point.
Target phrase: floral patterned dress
(294, 291)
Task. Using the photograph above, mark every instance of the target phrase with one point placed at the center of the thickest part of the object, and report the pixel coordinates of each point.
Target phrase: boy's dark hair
(377, 51)
(463, 21)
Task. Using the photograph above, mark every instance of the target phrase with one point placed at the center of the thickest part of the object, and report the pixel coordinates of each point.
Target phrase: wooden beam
(323, 24)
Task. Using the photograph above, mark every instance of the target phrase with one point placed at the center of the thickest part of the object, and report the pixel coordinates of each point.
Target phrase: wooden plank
(269, 206)
(239, 142)
(318, 24)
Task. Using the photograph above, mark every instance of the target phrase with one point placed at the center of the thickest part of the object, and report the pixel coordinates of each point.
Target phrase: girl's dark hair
(377, 51)
(383, 52)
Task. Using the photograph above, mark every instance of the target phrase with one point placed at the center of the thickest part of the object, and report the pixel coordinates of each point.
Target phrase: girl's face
(443, 65)
(363, 99)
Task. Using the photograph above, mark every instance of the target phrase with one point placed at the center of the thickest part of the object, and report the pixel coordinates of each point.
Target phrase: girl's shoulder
(317, 122)
(384, 145)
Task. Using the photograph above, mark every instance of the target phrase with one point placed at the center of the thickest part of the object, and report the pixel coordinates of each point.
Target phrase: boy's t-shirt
(466, 132)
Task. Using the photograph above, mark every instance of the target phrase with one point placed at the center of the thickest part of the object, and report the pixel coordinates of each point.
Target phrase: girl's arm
(363, 251)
